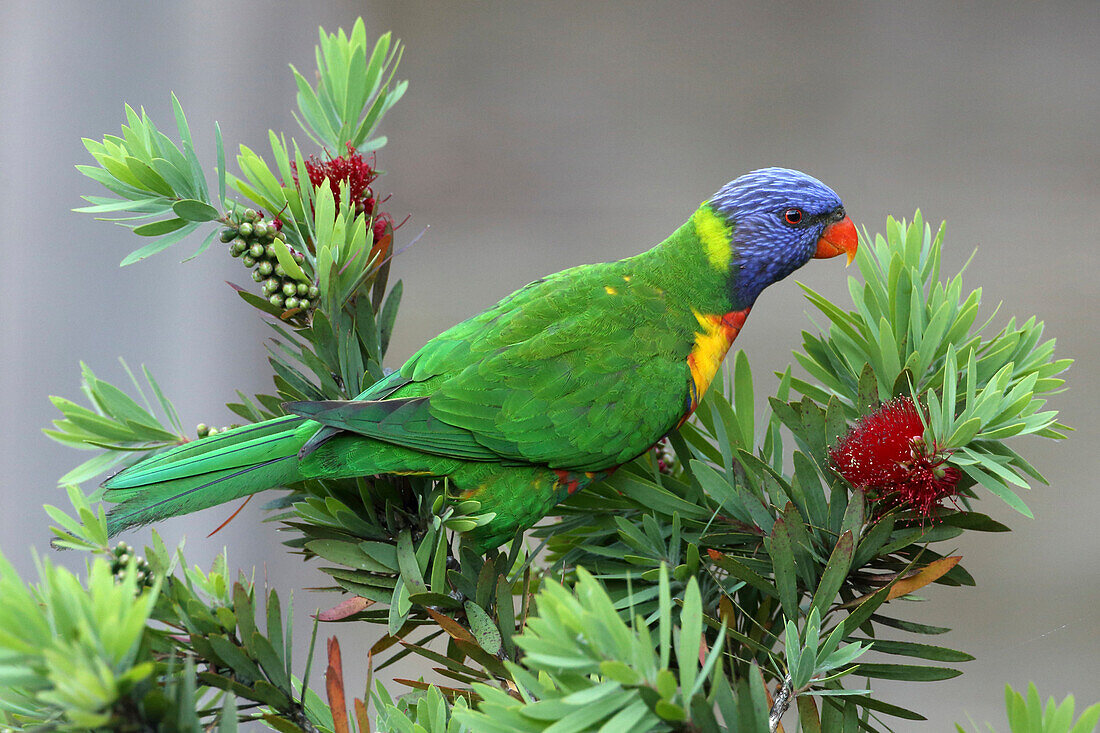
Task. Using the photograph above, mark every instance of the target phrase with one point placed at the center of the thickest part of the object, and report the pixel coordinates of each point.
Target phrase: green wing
(583, 370)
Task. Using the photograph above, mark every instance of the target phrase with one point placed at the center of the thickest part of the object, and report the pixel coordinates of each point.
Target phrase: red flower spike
(351, 169)
(885, 454)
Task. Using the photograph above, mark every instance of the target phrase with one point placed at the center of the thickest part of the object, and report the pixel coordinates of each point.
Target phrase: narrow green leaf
(282, 253)
(907, 672)
(779, 547)
(835, 572)
(157, 228)
(483, 628)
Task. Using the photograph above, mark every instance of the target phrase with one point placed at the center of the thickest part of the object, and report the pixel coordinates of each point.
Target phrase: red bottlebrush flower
(885, 453)
(351, 169)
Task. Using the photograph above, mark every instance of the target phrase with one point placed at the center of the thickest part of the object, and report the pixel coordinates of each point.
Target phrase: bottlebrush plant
(747, 568)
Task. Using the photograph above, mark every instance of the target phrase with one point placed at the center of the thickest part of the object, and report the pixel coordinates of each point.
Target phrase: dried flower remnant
(886, 455)
(665, 457)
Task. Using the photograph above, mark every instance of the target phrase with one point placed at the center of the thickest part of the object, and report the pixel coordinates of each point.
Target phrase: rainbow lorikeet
(543, 394)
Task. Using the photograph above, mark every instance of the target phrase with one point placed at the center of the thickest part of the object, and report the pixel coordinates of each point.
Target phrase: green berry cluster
(250, 237)
(122, 556)
(205, 431)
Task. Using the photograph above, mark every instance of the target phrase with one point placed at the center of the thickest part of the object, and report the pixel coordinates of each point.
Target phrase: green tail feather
(207, 472)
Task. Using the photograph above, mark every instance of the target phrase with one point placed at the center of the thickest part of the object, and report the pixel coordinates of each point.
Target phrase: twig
(782, 701)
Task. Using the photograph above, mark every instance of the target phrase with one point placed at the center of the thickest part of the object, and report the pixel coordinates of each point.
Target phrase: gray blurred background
(535, 136)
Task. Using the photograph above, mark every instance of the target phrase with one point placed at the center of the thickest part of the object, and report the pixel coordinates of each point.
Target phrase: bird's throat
(711, 344)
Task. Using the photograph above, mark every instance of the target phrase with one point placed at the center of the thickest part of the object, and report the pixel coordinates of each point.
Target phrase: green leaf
(779, 547)
(148, 178)
(836, 570)
(742, 572)
(194, 210)
(919, 651)
(998, 489)
(691, 633)
(157, 228)
(287, 261)
(907, 672)
(483, 628)
(158, 245)
(409, 567)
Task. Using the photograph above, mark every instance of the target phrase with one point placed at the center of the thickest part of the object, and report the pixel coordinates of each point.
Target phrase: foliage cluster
(705, 592)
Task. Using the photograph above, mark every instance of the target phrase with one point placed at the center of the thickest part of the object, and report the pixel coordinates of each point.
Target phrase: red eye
(792, 216)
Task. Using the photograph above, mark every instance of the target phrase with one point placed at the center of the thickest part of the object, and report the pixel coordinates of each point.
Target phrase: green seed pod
(276, 300)
(227, 234)
(249, 261)
(265, 268)
(289, 289)
(291, 303)
(303, 289)
(313, 292)
(258, 276)
(256, 250)
(303, 304)
(245, 230)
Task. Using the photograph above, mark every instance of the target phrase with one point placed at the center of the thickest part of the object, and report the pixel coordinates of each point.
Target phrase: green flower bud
(276, 300)
(291, 303)
(280, 236)
(299, 257)
(259, 230)
(237, 247)
(269, 252)
(201, 429)
(227, 234)
(303, 289)
(270, 286)
(280, 271)
(256, 250)
(249, 261)
(265, 268)
(257, 276)
(313, 292)
(303, 304)
(253, 215)
(245, 230)
(289, 289)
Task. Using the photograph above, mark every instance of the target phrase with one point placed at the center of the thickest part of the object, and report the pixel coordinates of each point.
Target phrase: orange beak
(838, 238)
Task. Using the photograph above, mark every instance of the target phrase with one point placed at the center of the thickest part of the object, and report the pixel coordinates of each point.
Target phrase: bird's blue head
(780, 220)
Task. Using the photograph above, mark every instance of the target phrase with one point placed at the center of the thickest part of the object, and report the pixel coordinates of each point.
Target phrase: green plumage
(581, 372)
(547, 391)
